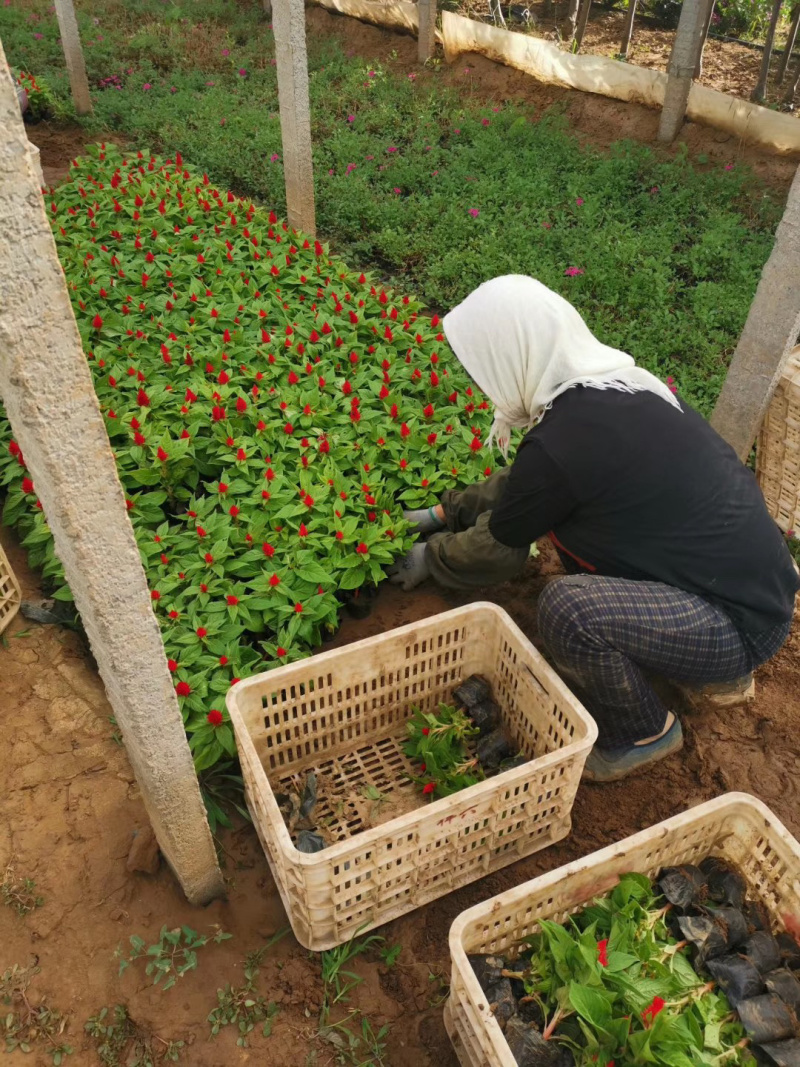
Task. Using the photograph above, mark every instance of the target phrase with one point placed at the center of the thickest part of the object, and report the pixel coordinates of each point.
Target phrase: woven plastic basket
(778, 448)
(343, 713)
(10, 596)
(735, 826)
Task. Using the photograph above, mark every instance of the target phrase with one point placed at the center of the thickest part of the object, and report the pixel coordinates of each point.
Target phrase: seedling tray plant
(344, 715)
(589, 922)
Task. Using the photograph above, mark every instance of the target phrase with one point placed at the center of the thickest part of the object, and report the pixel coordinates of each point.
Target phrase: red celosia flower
(339, 535)
(280, 651)
(232, 600)
(223, 660)
(303, 531)
(142, 399)
(233, 511)
(217, 413)
(429, 787)
(475, 444)
(362, 548)
(214, 717)
(222, 487)
(97, 322)
(174, 614)
(602, 952)
(274, 580)
(183, 689)
(650, 1012)
(288, 428)
(201, 631)
(241, 404)
(173, 666)
(425, 731)
(155, 595)
(298, 608)
(162, 455)
(27, 485)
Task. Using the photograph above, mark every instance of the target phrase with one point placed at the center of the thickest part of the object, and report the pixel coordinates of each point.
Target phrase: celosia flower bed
(270, 410)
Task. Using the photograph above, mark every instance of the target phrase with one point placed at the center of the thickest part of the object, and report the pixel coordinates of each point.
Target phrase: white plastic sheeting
(590, 74)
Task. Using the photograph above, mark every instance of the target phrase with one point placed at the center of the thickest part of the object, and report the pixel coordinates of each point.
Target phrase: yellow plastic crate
(343, 713)
(735, 826)
(778, 448)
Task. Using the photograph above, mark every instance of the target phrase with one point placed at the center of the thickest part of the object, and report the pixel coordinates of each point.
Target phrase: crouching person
(675, 566)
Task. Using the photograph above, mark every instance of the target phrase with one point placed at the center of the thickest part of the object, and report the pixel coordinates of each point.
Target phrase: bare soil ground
(71, 810)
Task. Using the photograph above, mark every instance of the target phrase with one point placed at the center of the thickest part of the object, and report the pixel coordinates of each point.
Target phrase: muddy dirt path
(71, 812)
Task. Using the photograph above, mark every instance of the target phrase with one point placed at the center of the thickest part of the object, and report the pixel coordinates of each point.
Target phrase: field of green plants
(435, 187)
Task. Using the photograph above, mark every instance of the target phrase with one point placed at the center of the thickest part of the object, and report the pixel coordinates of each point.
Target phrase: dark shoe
(611, 764)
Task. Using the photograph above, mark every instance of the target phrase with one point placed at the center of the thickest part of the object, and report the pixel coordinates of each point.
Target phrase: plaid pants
(603, 633)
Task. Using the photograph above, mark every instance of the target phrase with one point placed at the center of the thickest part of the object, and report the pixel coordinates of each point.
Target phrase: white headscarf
(523, 345)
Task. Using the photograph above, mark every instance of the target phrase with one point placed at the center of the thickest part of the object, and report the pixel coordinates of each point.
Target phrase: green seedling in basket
(613, 986)
(439, 743)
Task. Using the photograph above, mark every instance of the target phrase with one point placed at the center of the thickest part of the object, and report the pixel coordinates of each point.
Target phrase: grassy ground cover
(436, 190)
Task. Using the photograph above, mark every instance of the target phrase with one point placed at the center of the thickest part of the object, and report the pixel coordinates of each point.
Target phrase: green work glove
(411, 570)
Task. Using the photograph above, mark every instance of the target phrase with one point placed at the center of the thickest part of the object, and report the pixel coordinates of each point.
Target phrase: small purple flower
(242, 72)
(226, 51)
(331, 171)
(146, 86)
(729, 166)
(38, 36)
(391, 148)
(211, 83)
(456, 130)
(172, 88)
(274, 157)
(350, 167)
(412, 77)
(372, 74)
(351, 118)
(573, 272)
(579, 201)
(474, 212)
(396, 190)
(369, 157)
(485, 122)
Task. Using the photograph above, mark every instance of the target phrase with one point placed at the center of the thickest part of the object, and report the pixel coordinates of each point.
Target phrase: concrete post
(73, 54)
(686, 52)
(289, 28)
(583, 22)
(791, 37)
(770, 333)
(759, 93)
(426, 40)
(627, 30)
(47, 389)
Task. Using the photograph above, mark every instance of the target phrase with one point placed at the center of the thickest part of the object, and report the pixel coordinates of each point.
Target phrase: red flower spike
(602, 952)
(214, 717)
(429, 788)
(183, 689)
(232, 600)
(650, 1012)
(274, 580)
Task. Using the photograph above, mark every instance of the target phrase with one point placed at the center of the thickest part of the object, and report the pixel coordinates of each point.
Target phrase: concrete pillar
(47, 389)
(73, 54)
(627, 30)
(770, 333)
(686, 51)
(759, 93)
(583, 22)
(426, 40)
(289, 28)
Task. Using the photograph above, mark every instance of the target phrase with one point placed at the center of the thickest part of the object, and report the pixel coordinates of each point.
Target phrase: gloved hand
(411, 570)
(425, 519)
